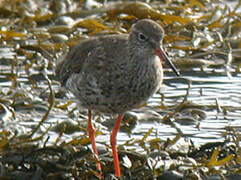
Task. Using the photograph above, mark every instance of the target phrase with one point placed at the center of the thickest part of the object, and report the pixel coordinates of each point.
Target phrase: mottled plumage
(115, 73)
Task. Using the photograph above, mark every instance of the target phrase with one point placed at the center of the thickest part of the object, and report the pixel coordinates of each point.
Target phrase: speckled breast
(119, 90)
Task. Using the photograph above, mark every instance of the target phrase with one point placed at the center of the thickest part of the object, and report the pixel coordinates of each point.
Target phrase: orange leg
(113, 145)
(92, 132)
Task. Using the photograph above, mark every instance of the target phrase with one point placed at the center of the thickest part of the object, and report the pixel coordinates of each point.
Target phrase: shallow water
(209, 99)
(213, 107)
(213, 92)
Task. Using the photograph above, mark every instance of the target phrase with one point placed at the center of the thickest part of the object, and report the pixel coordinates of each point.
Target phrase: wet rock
(170, 175)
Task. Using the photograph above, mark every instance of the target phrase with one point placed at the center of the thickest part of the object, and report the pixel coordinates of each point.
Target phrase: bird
(113, 74)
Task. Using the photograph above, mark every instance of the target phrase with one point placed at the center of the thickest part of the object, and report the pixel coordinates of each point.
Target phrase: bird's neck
(140, 58)
(142, 65)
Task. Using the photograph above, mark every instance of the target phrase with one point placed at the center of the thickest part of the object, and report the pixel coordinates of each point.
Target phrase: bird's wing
(74, 60)
(93, 55)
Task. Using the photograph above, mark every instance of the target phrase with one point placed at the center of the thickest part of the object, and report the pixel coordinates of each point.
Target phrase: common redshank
(115, 73)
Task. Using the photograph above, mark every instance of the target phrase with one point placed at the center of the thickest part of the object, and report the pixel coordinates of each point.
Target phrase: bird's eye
(142, 37)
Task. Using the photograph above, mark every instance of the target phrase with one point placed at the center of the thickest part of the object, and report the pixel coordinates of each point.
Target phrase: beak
(162, 55)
